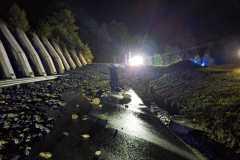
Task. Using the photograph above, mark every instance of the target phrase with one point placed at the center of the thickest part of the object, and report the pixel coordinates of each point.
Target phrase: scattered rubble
(27, 111)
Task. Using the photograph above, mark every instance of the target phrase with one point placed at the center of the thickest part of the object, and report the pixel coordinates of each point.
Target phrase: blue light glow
(203, 62)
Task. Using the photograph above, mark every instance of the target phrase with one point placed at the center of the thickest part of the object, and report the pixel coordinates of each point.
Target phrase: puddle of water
(129, 124)
(136, 104)
(127, 121)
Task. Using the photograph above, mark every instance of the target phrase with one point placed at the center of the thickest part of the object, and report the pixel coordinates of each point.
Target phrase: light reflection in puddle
(129, 123)
(134, 105)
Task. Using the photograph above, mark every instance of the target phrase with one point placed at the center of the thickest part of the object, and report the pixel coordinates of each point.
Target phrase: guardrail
(13, 82)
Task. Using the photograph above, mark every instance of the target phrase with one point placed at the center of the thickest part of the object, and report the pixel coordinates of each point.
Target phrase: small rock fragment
(45, 155)
(65, 134)
(27, 151)
(62, 104)
(85, 136)
(2, 143)
(37, 118)
(96, 101)
(11, 115)
(85, 118)
(98, 153)
(6, 125)
(74, 116)
(16, 141)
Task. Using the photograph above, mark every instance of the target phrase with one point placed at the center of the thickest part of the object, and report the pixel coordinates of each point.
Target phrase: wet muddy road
(113, 132)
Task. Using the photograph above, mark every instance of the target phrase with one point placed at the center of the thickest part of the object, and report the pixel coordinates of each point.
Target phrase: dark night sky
(162, 18)
(157, 14)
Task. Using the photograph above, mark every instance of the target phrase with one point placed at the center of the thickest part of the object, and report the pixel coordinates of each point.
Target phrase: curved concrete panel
(69, 58)
(18, 53)
(58, 50)
(75, 58)
(33, 55)
(82, 59)
(5, 63)
(58, 62)
(44, 54)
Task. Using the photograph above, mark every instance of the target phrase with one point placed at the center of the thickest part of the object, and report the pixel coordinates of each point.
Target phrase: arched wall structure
(43, 53)
(69, 58)
(31, 52)
(73, 53)
(17, 51)
(81, 58)
(32, 55)
(5, 63)
(59, 51)
(56, 59)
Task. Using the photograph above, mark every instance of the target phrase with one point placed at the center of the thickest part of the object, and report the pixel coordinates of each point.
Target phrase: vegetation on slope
(18, 18)
(208, 98)
(59, 26)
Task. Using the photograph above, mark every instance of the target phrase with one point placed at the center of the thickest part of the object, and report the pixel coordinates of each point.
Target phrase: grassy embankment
(208, 97)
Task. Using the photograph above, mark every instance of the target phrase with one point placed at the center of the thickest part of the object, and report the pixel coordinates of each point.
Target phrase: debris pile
(28, 112)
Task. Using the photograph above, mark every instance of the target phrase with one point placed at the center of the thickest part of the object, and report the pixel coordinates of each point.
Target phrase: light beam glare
(136, 61)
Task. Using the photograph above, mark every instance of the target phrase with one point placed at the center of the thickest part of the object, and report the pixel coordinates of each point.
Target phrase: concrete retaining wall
(18, 53)
(82, 59)
(75, 58)
(43, 53)
(27, 46)
(59, 51)
(5, 63)
(45, 57)
(69, 58)
(58, 62)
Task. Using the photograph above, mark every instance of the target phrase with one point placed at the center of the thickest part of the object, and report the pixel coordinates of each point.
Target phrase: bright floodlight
(238, 53)
(136, 61)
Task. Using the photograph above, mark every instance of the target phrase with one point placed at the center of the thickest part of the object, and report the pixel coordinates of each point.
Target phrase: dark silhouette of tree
(111, 40)
(18, 18)
(170, 55)
(45, 29)
(120, 38)
(61, 27)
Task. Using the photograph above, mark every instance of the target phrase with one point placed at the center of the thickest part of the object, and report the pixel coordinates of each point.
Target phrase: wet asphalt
(119, 132)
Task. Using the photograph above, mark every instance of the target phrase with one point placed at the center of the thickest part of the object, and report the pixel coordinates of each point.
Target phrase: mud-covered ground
(206, 98)
(77, 116)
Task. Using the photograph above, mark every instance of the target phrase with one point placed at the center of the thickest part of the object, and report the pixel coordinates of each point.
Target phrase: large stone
(43, 53)
(5, 63)
(34, 57)
(18, 53)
